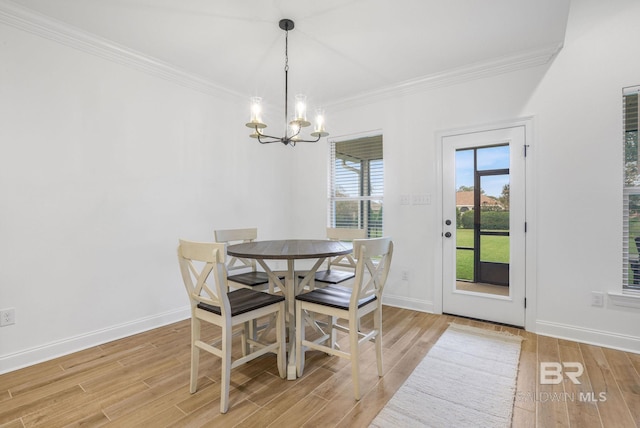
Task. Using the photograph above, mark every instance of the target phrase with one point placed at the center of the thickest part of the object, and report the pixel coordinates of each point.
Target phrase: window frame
(631, 189)
(366, 196)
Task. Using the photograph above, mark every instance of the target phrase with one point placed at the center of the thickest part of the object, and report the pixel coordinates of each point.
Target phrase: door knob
(448, 222)
(447, 235)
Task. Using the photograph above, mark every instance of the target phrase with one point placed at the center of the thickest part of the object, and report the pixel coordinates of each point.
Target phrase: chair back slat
(237, 236)
(232, 235)
(373, 263)
(203, 273)
(344, 234)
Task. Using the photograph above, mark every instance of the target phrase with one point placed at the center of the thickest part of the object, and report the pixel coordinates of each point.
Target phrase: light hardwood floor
(143, 380)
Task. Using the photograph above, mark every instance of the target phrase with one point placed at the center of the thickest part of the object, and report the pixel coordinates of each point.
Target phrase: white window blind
(631, 193)
(356, 185)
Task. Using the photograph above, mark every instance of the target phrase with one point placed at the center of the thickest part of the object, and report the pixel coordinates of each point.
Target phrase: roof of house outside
(465, 199)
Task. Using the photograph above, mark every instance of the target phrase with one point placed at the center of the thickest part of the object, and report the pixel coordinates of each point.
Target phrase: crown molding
(31, 21)
(506, 64)
(44, 26)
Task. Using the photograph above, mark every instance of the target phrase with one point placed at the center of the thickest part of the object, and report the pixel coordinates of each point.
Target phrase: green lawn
(492, 249)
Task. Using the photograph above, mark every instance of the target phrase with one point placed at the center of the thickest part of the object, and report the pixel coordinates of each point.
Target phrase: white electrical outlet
(7, 317)
(597, 299)
(405, 275)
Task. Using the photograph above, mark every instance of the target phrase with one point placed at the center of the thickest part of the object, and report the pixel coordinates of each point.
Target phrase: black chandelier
(292, 131)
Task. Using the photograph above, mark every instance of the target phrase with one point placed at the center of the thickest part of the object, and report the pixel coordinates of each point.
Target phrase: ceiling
(339, 49)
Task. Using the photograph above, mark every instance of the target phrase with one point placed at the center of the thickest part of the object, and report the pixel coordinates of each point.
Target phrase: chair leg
(333, 337)
(280, 337)
(195, 354)
(377, 325)
(299, 338)
(225, 378)
(248, 331)
(355, 355)
(268, 327)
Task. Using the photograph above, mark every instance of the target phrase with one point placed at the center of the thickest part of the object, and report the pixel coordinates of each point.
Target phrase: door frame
(530, 198)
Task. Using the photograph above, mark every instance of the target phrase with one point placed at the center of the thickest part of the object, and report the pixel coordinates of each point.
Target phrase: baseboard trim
(606, 339)
(408, 303)
(38, 354)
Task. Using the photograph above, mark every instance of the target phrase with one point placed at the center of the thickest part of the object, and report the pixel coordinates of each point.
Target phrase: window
(356, 184)
(631, 194)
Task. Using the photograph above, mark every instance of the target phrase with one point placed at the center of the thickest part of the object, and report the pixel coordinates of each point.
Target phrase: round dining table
(290, 250)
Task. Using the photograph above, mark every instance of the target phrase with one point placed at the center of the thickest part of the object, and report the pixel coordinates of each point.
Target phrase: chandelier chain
(286, 79)
(286, 50)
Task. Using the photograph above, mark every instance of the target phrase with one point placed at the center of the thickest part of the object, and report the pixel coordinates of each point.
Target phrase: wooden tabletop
(288, 249)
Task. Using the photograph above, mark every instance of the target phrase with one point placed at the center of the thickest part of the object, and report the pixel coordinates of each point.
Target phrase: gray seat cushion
(333, 296)
(244, 300)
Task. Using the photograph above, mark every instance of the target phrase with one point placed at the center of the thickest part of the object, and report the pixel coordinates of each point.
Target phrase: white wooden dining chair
(246, 275)
(340, 303)
(202, 265)
(340, 268)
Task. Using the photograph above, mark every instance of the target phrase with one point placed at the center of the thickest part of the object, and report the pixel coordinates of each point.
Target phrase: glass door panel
(482, 219)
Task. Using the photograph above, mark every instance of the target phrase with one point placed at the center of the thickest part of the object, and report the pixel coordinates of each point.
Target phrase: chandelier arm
(273, 139)
(284, 140)
(268, 142)
(299, 140)
(268, 136)
(260, 135)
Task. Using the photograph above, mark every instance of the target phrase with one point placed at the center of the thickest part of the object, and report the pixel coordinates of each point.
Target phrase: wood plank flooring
(143, 380)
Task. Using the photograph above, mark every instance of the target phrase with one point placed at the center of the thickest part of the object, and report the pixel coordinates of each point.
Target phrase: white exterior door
(483, 244)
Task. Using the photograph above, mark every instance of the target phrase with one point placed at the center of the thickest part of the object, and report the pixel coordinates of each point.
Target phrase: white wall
(102, 169)
(410, 157)
(579, 170)
(576, 218)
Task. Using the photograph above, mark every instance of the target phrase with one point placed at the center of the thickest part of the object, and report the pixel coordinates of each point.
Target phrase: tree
(464, 188)
(504, 197)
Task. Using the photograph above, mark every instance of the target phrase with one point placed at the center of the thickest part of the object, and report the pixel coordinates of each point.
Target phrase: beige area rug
(468, 379)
